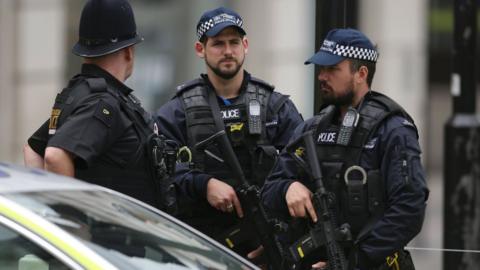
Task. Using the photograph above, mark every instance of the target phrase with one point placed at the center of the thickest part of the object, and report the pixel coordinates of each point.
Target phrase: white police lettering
(327, 137)
(273, 123)
(231, 114)
(328, 45)
(224, 18)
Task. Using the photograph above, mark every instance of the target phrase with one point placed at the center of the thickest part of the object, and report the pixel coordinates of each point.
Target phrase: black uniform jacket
(104, 140)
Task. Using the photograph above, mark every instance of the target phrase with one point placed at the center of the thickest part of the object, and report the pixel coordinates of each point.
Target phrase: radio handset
(350, 121)
(254, 120)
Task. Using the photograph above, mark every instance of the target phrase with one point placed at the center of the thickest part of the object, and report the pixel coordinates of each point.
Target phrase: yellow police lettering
(236, 127)
(54, 118)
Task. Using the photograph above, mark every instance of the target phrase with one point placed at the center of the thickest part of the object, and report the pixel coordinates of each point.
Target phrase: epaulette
(262, 83)
(97, 84)
(189, 85)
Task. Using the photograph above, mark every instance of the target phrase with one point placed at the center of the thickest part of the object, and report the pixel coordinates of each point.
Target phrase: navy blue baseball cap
(106, 26)
(340, 44)
(214, 21)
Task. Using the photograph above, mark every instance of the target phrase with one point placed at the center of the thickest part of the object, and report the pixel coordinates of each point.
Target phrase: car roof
(16, 178)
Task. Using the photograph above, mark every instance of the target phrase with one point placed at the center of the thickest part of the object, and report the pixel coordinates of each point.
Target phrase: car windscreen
(127, 234)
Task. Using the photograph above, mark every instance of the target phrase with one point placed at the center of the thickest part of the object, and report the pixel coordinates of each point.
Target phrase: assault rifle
(324, 232)
(255, 225)
(164, 158)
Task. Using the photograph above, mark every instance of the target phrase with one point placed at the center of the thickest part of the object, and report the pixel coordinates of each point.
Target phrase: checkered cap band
(356, 53)
(204, 27)
(207, 25)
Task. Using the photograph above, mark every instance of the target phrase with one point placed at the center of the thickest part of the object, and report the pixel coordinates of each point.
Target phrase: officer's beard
(226, 75)
(328, 96)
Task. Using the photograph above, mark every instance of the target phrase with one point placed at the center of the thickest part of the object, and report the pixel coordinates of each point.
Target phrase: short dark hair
(356, 64)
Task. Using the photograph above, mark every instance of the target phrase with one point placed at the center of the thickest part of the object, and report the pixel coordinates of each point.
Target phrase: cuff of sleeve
(285, 187)
(80, 157)
(201, 181)
(283, 202)
(37, 146)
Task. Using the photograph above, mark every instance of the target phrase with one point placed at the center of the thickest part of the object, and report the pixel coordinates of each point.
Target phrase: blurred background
(414, 38)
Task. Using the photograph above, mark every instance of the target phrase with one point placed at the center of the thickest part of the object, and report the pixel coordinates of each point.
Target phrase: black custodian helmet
(106, 26)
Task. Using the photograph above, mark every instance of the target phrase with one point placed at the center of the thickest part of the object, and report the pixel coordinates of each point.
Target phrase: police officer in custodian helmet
(98, 130)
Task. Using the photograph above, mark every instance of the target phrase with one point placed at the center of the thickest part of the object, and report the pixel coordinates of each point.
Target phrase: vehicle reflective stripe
(54, 235)
(42, 243)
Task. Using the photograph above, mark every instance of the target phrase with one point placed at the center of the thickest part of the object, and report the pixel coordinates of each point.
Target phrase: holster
(162, 155)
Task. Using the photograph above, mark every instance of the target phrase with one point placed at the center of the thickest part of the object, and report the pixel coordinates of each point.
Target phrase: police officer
(257, 119)
(369, 154)
(98, 130)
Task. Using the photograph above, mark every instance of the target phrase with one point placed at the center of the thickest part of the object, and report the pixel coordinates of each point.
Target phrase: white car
(50, 222)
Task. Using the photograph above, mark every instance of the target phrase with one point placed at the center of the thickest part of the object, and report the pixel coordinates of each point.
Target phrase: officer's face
(337, 84)
(224, 53)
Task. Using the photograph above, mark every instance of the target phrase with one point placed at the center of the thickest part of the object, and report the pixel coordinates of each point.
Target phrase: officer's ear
(361, 75)
(245, 44)
(129, 53)
(200, 49)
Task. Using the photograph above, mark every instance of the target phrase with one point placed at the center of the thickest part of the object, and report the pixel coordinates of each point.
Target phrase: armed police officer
(98, 130)
(257, 119)
(368, 152)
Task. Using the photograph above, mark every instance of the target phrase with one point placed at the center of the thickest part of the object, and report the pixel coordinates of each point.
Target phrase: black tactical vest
(253, 151)
(135, 178)
(357, 192)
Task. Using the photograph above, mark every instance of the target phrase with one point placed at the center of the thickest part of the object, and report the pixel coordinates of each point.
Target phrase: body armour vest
(357, 192)
(247, 136)
(135, 177)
